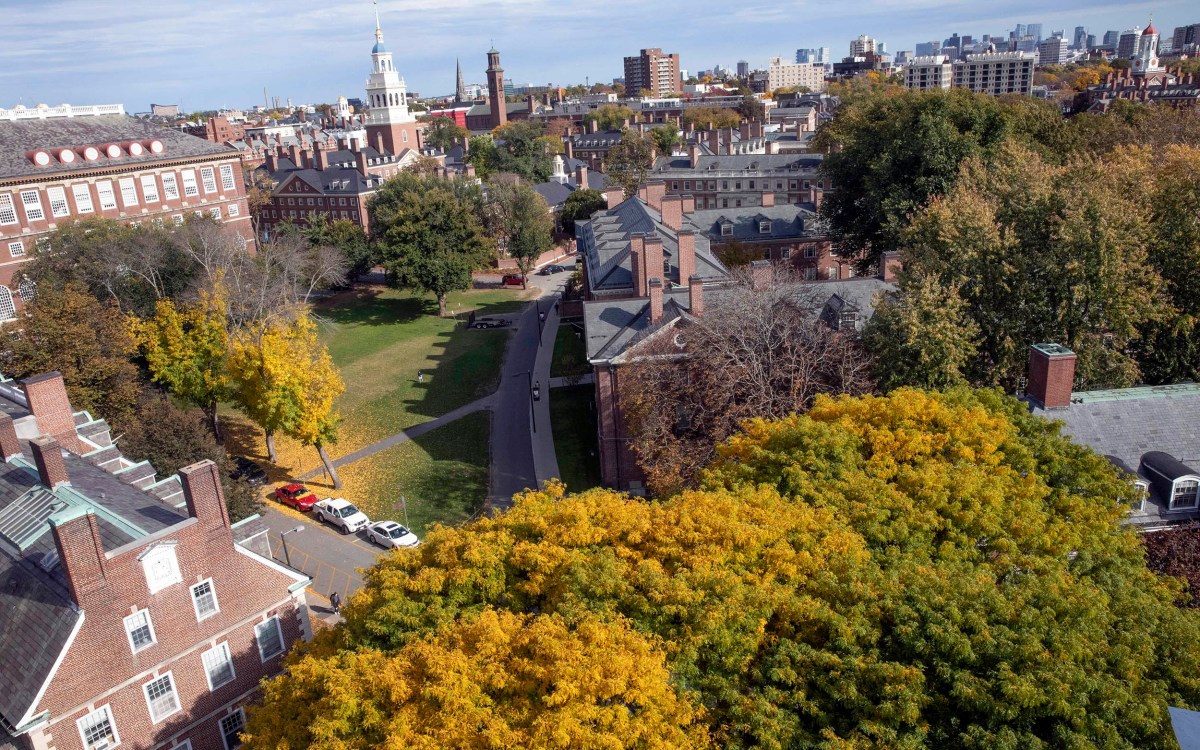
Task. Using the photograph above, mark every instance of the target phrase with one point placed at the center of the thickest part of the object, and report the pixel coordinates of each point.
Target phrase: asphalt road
(512, 445)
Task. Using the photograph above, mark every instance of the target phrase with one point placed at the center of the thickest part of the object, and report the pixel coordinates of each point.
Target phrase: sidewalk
(545, 459)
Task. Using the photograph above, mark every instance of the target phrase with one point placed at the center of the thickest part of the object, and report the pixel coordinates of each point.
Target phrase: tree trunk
(337, 481)
(271, 455)
(215, 421)
(442, 305)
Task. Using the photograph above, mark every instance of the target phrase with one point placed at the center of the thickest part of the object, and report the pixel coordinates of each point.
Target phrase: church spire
(378, 30)
(460, 90)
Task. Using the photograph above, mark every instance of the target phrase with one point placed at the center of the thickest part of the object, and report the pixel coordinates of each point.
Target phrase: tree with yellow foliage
(495, 679)
(185, 347)
(284, 379)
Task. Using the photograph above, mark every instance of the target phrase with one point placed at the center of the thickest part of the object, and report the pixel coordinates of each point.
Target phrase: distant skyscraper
(1111, 39)
(1091, 41)
(1080, 37)
(652, 70)
(1020, 31)
(862, 46)
(1185, 35)
(1128, 43)
(1034, 30)
(1052, 51)
(743, 68)
(925, 49)
(806, 55)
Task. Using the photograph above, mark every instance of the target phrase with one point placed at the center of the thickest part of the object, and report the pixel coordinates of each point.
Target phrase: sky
(222, 53)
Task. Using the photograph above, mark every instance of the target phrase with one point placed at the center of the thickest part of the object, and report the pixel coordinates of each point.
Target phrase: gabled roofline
(29, 721)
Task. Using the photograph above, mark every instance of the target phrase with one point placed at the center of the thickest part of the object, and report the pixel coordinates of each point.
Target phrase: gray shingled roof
(556, 193)
(19, 136)
(787, 222)
(773, 164)
(1128, 423)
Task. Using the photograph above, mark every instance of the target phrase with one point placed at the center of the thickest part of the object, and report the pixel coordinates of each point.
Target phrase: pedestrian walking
(335, 601)
(420, 377)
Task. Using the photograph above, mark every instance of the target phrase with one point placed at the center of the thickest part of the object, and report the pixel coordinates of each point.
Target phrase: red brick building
(135, 613)
(66, 163)
(654, 71)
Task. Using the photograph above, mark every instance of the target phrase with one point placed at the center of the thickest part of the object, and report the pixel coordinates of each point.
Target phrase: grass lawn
(568, 348)
(380, 338)
(443, 476)
(573, 420)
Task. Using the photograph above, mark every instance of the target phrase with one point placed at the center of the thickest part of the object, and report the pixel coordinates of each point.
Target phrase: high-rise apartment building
(996, 73)
(1111, 39)
(1127, 44)
(1185, 35)
(862, 46)
(653, 71)
(743, 68)
(925, 49)
(929, 72)
(787, 75)
(1080, 37)
(1052, 51)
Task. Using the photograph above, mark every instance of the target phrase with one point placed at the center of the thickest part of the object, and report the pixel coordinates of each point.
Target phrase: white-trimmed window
(726, 230)
(227, 182)
(8, 212)
(1183, 493)
(32, 202)
(178, 219)
(108, 200)
(150, 188)
(83, 198)
(204, 599)
(58, 202)
(8, 309)
(161, 567)
(270, 638)
(209, 179)
(161, 698)
(232, 209)
(97, 730)
(140, 630)
(129, 196)
(170, 187)
(16, 249)
(231, 729)
(764, 227)
(218, 666)
(215, 212)
(189, 183)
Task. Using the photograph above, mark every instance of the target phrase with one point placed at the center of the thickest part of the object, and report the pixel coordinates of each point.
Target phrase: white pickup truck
(341, 513)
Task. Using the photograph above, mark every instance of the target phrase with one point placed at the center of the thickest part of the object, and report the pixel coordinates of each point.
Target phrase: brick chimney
(47, 455)
(272, 162)
(694, 155)
(9, 444)
(768, 199)
(594, 126)
(294, 155)
(360, 159)
(80, 551)
(696, 296)
(320, 158)
(656, 300)
(761, 274)
(689, 204)
(203, 495)
(637, 263)
(714, 141)
(581, 176)
(672, 211)
(686, 259)
(569, 143)
(891, 266)
(48, 402)
(615, 196)
(1051, 375)
(655, 190)
(654, 257)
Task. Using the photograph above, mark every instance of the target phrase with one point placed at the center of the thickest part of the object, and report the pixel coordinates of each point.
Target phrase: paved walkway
(564, 382)
(404, 436)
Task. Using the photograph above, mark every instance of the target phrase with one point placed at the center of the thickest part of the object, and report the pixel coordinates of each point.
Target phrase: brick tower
(495, 78)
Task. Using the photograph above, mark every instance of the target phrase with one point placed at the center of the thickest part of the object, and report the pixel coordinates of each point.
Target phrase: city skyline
(227, 56)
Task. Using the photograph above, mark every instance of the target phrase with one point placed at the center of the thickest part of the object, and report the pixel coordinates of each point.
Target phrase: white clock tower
(390, 126)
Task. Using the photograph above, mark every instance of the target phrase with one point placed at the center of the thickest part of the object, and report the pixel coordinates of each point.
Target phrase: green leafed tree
(443, 133)
(629, 161)
(666, 138)
(609, 116)
(579, 206)
(520, 222)
(428, 234)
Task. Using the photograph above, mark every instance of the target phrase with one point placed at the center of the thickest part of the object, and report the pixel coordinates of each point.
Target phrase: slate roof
(556, 193)
(749, 163)
(602, 139)
(19, 136)
(334, 180)
(786, 221)
(604, 241)
(1128, 423)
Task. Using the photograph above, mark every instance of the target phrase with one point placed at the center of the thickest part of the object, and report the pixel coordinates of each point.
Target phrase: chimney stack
(694, 154)
(203, 495)
(672, 212)
(569, 142)
(696, 296)
(891, 266)
(581, 177)
(360, 158)
(615, 196)
(655, 190)
(689, 204)
(594, 126)
(80, 551)
(761, 275)
(9, 444)
(653, 256)
(768, 199)
(637, 263)
(687, 255)
(47, 454)
(46, 395)
(1051, 375)
(656, 300)
(320, 158)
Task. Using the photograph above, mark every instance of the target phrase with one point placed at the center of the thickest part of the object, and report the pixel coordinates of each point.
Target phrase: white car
(341, 513)
(391, 534)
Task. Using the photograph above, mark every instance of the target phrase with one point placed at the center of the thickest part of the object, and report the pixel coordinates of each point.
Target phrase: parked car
(513, 278)
(296, 495)
(391, 534)
(489, 323)
(244, 468)
(340, 512)
(547, 270)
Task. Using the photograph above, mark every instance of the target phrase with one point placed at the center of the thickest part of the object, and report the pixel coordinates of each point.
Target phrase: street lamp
(529, 382)
(283, 538)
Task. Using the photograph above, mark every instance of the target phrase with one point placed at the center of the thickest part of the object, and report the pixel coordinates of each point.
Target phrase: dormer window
(764, 227)
(1183, 493)
(726, 230)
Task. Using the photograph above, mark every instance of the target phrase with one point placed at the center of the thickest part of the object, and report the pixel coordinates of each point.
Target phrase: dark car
(547, 270)
(513, 278)
(296, 495)
(244, 468)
